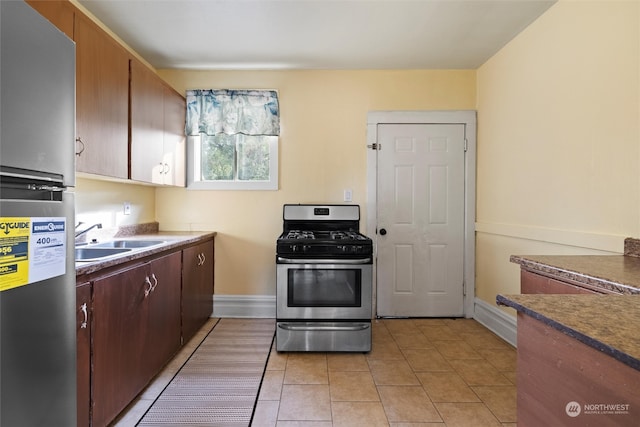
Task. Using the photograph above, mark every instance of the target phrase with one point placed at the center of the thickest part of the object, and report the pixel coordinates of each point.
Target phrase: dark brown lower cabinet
(132, 320)
(136, 330)
(197, 287)
(564, 382)
(83, 341)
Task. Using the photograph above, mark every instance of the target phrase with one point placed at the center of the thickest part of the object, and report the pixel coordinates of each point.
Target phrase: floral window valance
(232, 112)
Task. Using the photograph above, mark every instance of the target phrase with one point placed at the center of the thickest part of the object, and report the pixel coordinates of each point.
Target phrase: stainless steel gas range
(324, 283)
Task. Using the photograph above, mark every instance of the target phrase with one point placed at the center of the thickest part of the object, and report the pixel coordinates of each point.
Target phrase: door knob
(383, 231)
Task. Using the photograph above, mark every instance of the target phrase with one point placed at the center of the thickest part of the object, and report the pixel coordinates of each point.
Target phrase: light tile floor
(420, 372)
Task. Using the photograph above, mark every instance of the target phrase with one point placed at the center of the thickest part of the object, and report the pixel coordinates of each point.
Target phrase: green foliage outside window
(230, 157)
(253, 158)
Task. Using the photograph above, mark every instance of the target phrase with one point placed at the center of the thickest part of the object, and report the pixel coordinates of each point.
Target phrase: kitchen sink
(95, 254)
(128, 244)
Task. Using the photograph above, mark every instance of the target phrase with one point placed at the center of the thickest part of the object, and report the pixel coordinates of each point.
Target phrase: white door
(420, 220)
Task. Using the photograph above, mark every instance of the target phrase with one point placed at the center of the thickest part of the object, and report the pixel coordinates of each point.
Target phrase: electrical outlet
(348, 195)
(127, 208)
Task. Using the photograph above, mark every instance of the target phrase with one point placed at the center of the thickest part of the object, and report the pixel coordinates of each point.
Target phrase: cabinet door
(197, 288)
(120, 313)
(162, 337)
(136, 332)
(59, 13)
(102, 101)
(147, 125)
(175, 110)
(83, 340)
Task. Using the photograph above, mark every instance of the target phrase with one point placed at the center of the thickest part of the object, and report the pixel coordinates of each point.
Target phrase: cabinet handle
(152, 286)
(155, 281)
(83, 307)
(201, 259)
(147, 282)
(165, 168)
(81, 146)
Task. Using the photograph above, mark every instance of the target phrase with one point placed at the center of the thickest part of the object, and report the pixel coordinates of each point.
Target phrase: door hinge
(375, 146)
(464, 290)
(466, 145)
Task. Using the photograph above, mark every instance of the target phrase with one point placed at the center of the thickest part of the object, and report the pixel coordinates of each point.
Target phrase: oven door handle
(323, 261)
(320, 327)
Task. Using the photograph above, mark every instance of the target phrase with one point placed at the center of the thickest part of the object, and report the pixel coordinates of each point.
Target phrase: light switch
(127, 208)
(348, 195)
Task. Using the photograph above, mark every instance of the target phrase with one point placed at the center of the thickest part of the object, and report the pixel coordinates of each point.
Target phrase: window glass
(233, 162)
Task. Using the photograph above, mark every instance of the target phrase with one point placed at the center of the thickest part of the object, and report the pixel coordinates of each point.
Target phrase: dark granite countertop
(172, 240)
(607, 323)
(615, 273)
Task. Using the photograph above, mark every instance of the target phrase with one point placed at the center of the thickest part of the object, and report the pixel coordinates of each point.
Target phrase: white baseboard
(250, 306)
(496, 320)
(264, 306)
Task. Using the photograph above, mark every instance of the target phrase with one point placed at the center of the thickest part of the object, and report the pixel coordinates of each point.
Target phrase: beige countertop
(608, 323)
(616, 273)
(171, 240)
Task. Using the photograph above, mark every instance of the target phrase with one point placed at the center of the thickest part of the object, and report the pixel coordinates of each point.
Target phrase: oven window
(324, 288)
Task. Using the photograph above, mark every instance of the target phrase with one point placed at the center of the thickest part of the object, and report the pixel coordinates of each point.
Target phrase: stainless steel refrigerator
(37, 273)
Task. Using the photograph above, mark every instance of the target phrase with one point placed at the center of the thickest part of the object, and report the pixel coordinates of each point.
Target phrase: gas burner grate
(300, 234)
(346, 235)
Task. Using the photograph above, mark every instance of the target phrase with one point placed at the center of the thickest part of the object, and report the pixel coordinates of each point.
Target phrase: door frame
(464, 117)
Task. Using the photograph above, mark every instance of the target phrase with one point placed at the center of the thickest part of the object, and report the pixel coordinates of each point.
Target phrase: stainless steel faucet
(80, 233)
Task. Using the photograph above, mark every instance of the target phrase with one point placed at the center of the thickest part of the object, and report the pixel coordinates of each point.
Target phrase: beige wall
(322, 152)
(99, 201)
(558, 140)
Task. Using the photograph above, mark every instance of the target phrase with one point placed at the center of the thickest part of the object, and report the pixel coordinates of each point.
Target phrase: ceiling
(316, 34)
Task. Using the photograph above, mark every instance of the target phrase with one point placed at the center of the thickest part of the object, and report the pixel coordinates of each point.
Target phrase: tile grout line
(264, 371)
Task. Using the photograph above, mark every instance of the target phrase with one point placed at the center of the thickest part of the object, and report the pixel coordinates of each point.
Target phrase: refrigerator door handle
(39, 187)
(38, 176)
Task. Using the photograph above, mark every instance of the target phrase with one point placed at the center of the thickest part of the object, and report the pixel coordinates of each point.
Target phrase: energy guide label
(31, 249)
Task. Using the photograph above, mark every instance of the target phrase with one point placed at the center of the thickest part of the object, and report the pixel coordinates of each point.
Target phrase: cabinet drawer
(531, 283)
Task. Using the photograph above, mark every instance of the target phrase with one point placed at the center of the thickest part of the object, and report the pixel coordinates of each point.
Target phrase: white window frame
(193, 171)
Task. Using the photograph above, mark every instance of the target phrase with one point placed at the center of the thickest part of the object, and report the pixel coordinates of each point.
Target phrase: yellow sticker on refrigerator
(31, 249)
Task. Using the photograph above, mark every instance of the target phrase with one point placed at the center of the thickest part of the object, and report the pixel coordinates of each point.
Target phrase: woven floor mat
(219, 384)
